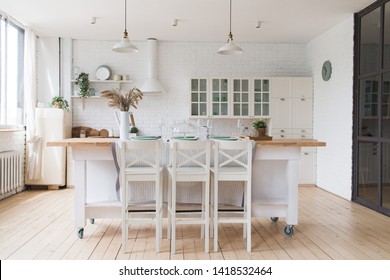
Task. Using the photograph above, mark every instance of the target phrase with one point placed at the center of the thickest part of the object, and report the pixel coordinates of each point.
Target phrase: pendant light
(124, 46)
(230, 48)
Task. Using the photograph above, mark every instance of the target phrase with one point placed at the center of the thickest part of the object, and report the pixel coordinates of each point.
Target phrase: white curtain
(30, 99)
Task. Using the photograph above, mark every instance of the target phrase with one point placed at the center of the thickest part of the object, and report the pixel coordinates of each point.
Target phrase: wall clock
(326, 70)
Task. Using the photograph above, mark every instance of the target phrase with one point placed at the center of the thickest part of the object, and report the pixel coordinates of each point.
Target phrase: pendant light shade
(230, 48)
(125, 46)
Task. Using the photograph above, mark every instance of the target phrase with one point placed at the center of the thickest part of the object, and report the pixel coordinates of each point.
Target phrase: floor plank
(39, 224)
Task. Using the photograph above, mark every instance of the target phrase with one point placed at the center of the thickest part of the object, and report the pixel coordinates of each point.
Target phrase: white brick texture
(177, 62)
(333, 105)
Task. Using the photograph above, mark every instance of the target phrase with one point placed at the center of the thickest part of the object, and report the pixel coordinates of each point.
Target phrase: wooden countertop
(291, 143)
(93, 142)
(11, 129)
(83, 142)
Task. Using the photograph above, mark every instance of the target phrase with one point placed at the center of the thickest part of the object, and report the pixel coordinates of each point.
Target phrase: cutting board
(89, 132)
(256, 138)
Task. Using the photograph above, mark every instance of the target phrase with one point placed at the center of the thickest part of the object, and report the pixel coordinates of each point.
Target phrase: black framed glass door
(371, 162)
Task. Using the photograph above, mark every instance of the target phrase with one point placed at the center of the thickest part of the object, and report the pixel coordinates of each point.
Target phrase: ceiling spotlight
(93, 20)
(174, 22)
(258, 25)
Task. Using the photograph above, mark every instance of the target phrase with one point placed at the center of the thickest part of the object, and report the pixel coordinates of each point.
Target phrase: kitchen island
(274, 184)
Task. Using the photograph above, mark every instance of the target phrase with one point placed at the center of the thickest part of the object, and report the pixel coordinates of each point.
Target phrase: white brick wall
(333, 105)
(177, 62)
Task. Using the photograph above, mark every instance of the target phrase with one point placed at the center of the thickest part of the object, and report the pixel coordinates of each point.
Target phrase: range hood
(152, 84)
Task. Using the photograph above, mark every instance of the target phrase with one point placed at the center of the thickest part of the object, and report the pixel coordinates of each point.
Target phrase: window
(11, 72)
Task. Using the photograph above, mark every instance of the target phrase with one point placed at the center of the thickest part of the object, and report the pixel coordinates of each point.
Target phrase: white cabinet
(281, 113)
(292, 117)
(292, 107)
(199, 98)
(230, 98)
(251, 98)
(307, 166)
(220, 97)
(209, 97)
(241, 101)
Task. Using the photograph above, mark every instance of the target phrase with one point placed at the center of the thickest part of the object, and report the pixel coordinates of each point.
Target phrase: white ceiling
(293, 21)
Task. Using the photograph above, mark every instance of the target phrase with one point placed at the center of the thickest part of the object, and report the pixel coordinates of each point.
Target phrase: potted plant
(60, 103)
(82, 81)
(260, 125)
(133, 131)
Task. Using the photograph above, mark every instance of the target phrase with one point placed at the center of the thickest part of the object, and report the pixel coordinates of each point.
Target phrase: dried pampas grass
(122, 100)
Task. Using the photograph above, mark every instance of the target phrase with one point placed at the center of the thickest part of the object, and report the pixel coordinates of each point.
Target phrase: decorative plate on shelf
(103, 72)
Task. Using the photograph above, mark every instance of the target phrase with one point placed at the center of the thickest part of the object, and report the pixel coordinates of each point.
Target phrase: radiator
(10, 172)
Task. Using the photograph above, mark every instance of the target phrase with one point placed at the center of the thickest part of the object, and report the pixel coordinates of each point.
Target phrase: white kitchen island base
(95, 195)
(275, 184)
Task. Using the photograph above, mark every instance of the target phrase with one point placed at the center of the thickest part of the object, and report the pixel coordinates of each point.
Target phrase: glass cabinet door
(199, 97)
(219, 97)
(240, 97)
(261, 97)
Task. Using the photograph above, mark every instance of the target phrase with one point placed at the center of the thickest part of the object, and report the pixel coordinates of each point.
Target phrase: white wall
(177, 62)
(48, 68)
(333, 107)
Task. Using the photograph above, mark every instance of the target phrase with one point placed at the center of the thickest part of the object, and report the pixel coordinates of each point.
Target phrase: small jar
(82, 134)
(117, 77)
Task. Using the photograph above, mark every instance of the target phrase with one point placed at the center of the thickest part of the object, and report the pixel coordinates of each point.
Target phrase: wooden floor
(40, 225)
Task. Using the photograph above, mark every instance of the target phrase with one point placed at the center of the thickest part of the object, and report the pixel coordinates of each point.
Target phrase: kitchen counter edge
(80, 142)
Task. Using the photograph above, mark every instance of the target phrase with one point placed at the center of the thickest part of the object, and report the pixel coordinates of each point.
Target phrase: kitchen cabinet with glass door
(199, 97)
(209, 97)
(251, 98)
(220, 97)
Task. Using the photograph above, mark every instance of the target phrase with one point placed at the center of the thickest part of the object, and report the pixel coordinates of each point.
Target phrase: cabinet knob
(303, 99)
(281, 130)
(306, 154)
(281, 136)
(282, 99)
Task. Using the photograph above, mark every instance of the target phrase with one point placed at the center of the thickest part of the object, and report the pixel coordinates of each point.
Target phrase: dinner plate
(188, 138)
(103, 72)
(146, 137)
(224, 138)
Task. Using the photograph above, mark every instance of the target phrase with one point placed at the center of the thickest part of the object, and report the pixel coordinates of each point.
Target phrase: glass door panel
(386, 39)
(369, 42)
(386, 175)
(386, 105)
(198, 97)
(369, 107)
(240, 97)
(261, 98)
(220, 97)
(368, 172)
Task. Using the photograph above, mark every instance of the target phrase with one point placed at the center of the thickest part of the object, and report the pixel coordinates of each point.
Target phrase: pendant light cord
(230, 28)
(126, 15)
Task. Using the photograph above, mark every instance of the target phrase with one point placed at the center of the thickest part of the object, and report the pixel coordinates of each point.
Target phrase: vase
(124, 125)
(261, 131)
